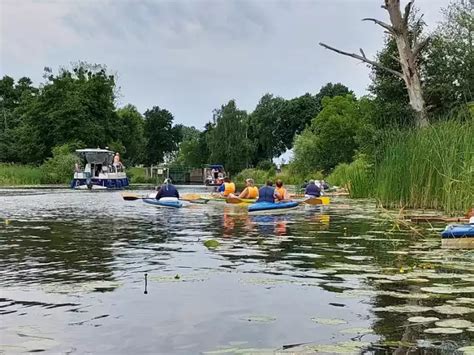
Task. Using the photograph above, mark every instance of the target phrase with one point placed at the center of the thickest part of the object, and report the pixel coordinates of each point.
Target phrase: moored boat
(100, 171)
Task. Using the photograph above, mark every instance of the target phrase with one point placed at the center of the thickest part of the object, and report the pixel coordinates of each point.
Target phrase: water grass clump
(14, 174)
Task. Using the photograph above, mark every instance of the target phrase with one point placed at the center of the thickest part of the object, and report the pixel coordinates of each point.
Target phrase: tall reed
(12, 174)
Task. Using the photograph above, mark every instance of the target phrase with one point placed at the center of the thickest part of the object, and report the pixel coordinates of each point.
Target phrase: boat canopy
(96, 156)
(215, 166)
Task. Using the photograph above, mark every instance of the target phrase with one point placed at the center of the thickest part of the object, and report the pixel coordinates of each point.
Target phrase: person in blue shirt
(312, 190)
(167, 190)
(267, 193)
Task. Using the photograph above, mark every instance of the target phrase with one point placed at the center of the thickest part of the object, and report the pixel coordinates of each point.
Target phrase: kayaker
(167, 190)
(312, 190)
(250, 191)
(267, 193)
(280, 192)
(227, 188)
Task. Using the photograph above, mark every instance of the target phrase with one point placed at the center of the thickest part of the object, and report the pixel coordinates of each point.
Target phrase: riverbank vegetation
(374, 145)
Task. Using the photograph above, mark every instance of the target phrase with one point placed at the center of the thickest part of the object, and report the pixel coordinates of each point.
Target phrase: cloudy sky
(192, 56)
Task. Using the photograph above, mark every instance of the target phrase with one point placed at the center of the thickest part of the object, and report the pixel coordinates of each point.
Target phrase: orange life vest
(252, 192)
(229, 188)
(281, 192)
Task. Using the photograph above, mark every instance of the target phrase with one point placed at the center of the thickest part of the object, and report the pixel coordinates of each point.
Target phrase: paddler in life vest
(267, 193)
(250, 191)
(312, 190)
(167, 190)
(226, 188)
(280, 192)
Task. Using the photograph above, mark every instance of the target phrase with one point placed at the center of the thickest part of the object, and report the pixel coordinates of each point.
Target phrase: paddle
(313, 201)
(134, 197)
(233, 200)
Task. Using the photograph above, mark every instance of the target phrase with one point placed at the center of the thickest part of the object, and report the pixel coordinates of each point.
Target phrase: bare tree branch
(362, 52)
(362, 58)
(381, 23)
(406, 15)
(395, 58)
(419, 46)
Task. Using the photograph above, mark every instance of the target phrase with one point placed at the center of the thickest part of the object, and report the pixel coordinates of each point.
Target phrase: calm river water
(339, 280)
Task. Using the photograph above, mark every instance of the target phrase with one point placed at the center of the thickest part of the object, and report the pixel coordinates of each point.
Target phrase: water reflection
(76, 262)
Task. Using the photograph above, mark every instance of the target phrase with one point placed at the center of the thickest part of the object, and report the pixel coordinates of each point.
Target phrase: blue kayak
(458, 231)
(272, 207)
(164, 202)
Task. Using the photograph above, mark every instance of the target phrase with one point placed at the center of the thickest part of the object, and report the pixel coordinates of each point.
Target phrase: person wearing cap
(312, 190)
(167, 190)
(250, 191)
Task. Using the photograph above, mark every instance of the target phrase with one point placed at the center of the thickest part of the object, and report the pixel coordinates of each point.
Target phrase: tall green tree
(228, 140)
(131, 134)
(12, 96)
(74, 105)
(160, 135)
(332, 137)
(268, 141)
(449, 65)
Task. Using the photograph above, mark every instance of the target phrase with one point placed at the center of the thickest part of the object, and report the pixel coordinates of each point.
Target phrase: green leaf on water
(443, 331)
(421, 319)
(329, 321)
(211, 244)
(356, 330)
(454, 323)
(448, 309)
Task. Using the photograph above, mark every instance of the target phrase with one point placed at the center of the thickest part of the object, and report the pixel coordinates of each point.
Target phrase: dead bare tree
(409, 52)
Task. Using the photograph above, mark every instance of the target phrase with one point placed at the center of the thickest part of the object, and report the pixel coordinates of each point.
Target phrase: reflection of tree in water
(66, 252)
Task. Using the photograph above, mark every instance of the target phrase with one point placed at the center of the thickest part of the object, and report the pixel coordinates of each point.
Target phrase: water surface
(340, 279)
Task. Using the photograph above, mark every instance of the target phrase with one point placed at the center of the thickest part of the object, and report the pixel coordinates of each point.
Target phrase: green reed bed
(423, 168)
(428, 168)
(13, 174)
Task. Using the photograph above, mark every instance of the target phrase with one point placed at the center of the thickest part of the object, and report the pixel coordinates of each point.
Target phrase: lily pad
(467, 350)
(357, 331)
(443, 331)
(403, 309)
(448, 309)
(259, 319)
(454, 323)
(329, 321)
(211, 244)
(448, 289)
(421, 319)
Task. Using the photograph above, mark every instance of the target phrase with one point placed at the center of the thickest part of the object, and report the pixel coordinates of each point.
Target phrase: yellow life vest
(252, 192)
(281, 192)
(229, 188)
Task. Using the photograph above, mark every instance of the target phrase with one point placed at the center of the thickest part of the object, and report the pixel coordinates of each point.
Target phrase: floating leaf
(403, 309)
(259, 319)
(421, 319)
(448, 309)
(329, 321)
(454, 323)
(467, 350)
(448, 289)
(357, 331)
(211, 244)
(443, 331)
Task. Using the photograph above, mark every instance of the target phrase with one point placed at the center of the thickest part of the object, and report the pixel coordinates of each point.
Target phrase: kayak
(458, 231)
(170, 202)
(269, 207)
(238, 200)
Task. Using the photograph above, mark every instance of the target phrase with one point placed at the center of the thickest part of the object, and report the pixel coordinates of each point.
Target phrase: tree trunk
(408, 59)
(408, 55)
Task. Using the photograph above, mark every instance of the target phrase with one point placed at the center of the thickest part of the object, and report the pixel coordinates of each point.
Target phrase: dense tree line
(77, 107)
